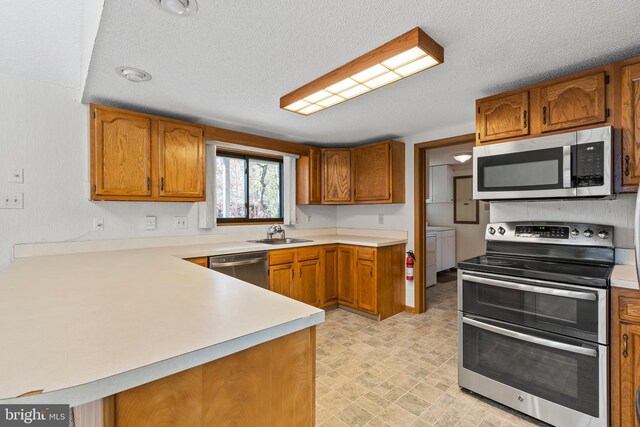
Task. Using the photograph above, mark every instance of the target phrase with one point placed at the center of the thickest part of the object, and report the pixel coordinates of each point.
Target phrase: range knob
(588, 232)
(501, 230)
(492, 231)
(575, 232)
(603, 234)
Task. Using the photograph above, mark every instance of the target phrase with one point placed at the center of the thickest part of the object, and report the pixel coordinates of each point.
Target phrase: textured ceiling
(41, 40)
(230, 63)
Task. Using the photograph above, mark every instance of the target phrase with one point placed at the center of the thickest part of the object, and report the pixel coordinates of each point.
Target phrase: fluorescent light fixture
(463, 157)
(401, 57)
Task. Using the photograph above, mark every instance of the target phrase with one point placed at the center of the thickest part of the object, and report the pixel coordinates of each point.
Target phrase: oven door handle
(589, 296)
(566, 166)
(530, 338)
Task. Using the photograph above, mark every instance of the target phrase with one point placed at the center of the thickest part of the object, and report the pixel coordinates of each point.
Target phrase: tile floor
(399, 372)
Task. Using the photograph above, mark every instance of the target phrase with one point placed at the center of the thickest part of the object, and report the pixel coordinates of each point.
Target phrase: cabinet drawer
(308, 253)
(367, 253)
(629, 309)
(281, 257)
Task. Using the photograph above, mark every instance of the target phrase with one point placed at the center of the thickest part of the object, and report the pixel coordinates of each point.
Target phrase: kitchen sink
(279, 241)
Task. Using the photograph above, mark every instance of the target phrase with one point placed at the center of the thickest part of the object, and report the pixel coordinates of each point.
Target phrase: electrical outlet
(380, 218)
(98, 224)
(11, 201)
(308, 219)
(150, 223)
(16, 176)
(181, 222)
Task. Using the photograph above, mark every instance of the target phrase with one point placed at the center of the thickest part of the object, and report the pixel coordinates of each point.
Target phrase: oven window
(528, 170)
(560, 376)
(567, 316)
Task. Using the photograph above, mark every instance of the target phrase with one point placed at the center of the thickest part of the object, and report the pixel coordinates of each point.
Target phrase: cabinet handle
(301, 272)
(524, 117)
(371, 271)
(626, 165)
(625, 345)
(544, 115)
(162, 184)
(292, 273)
(148, 183)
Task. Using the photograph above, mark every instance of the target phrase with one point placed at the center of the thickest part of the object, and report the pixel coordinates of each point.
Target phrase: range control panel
(555, 233)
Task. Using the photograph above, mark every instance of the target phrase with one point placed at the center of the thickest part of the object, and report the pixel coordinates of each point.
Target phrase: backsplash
(618, 212)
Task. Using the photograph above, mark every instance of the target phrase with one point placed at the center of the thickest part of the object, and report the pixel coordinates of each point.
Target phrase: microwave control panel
(589, 161)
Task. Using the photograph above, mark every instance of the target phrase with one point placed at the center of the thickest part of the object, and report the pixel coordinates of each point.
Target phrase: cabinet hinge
(606, 79)
(608, 112)
(478, 110)
(93, 114)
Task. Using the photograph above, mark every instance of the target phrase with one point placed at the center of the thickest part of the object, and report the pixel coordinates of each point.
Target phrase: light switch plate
(16, 176)
(150, 223)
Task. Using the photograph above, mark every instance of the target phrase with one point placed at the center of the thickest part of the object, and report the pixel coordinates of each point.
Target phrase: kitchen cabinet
(329, 283)
(346, 276)
(440, 184)
(572, 103)
(501, 118)
(366, 285)
(309, 178)
(307, 287)
(281, 278)
(295, 273)
(625, 356)
(336, 182)
(139, 157)
(445, 247)
(431, 251)
(120, 154)
(378, 173)
(630, 111)
(181, 165)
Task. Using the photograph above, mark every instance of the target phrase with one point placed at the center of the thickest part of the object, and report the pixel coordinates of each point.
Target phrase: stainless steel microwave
(575, 164)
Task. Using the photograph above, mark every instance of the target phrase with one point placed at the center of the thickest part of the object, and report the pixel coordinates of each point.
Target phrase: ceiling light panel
(401, 57)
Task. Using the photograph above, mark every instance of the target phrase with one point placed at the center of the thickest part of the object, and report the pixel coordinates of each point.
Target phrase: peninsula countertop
(81, 326)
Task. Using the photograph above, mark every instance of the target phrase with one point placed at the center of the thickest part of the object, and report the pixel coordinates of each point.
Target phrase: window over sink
(249, 188)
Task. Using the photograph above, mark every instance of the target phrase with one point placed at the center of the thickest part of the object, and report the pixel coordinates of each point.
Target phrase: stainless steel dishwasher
(252, 267)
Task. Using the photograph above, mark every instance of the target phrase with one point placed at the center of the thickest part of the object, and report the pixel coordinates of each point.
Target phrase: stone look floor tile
(399, 372)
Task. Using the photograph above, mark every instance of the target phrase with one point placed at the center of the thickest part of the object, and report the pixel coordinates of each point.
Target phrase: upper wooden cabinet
(139, 157)
(181, 167)
(309, 178)
(336, 182)
(572, 103)
(120, 154)
(378, 173)
(631, 124)
(504, 117)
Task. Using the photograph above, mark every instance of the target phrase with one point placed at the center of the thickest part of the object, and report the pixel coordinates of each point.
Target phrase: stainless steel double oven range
(532, 320)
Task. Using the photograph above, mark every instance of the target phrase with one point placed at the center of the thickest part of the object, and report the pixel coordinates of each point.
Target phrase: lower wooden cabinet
(625, 356)
(363, 278)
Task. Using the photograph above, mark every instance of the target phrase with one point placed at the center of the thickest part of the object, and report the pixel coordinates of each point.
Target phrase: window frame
(247, 157)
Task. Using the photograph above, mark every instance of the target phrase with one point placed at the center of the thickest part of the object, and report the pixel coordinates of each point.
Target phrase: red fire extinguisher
(410, 261)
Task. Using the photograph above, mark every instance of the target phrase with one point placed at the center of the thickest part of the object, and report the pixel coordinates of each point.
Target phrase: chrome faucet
(275, 229)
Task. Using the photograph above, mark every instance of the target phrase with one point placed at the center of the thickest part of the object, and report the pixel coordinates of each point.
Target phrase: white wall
(617, 212)
(44, 131)
(469, 237)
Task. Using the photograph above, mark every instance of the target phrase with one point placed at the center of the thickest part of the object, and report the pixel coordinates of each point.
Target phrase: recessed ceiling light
(463, 157)
(177, 7)
(133, 74)
(401, 57)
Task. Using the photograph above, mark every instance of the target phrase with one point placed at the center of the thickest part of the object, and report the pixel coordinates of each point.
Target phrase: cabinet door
(366, 285)
(329, 284)
(451, 251)
(629, 372)
(336, 179)
(281, 278)
(631, 125)
(181, 160)
(121, 151)
(315, 175)
(372, 173)
(305, 288)
(346, 276)
(439, 251)
(501, 118)
(573, 103)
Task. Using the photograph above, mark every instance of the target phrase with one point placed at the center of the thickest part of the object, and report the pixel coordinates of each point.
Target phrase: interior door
(181, 160)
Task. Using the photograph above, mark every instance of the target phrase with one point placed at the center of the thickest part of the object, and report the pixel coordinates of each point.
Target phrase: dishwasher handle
(213, 264)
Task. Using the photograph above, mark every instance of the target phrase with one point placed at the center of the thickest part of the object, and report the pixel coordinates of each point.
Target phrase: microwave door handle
(588, 296)
(566, 166)
(530, 338)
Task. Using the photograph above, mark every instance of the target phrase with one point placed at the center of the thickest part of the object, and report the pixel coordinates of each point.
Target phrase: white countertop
(87, 325)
